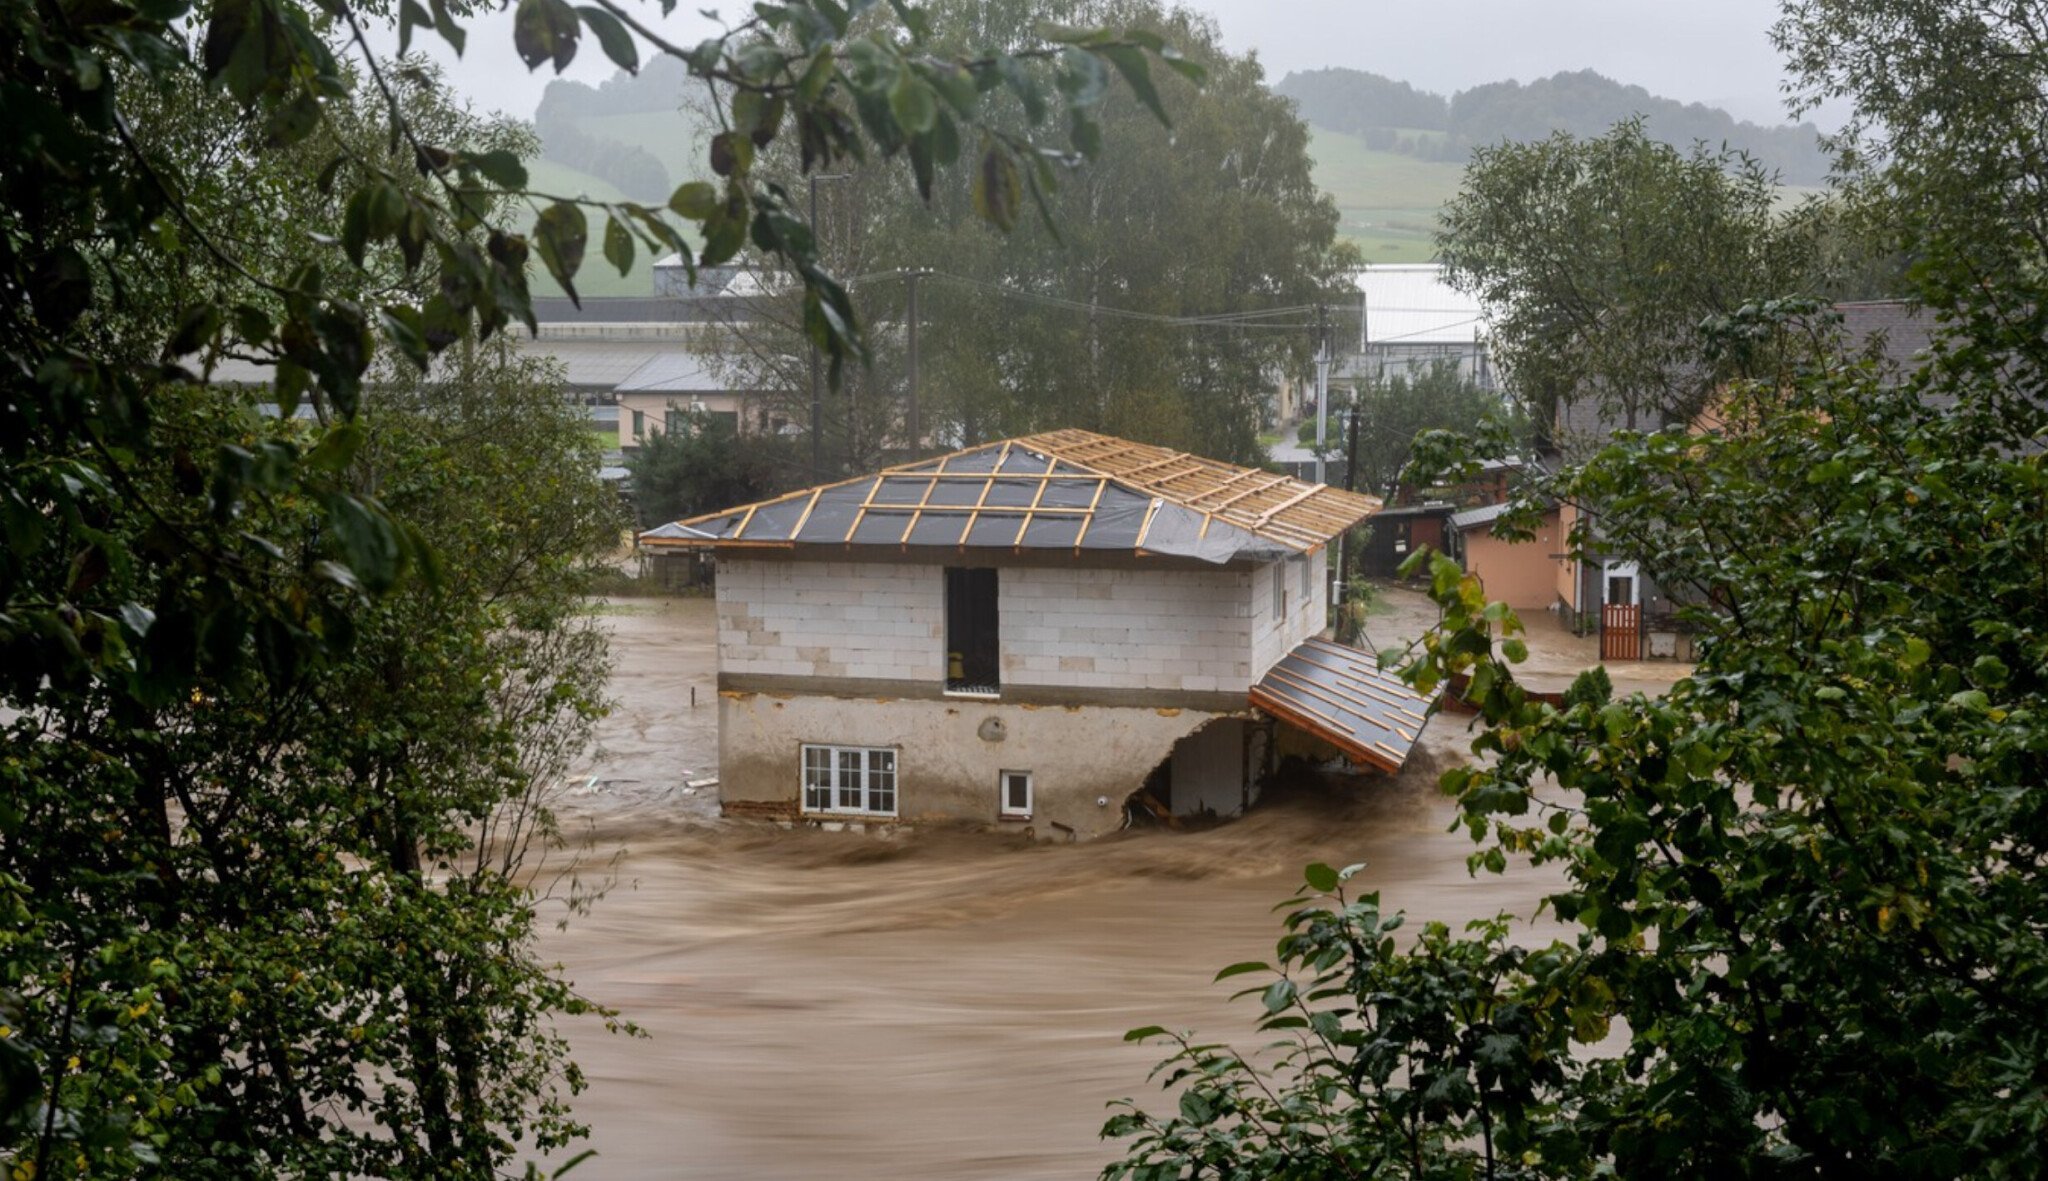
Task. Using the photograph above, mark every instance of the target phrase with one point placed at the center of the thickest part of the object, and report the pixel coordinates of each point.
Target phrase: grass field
(597, 277)
(671, 137)
(1387, 202)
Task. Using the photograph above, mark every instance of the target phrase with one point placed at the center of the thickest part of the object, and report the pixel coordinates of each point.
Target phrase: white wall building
(1030, 632)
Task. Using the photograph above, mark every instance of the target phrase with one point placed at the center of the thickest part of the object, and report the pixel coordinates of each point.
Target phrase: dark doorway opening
(973, 643)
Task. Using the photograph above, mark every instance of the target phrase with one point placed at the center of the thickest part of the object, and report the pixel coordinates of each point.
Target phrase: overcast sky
(1712, 51)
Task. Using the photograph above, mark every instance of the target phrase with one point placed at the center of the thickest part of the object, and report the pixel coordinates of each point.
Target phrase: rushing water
(932, 1005)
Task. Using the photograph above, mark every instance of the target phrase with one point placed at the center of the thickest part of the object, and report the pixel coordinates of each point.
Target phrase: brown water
(932, 1005)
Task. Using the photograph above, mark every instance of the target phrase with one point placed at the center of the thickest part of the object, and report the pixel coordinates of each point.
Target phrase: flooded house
(1043, 632)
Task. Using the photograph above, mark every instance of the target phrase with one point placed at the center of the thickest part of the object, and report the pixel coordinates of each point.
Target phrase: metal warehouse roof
(1062, 490)
(672, 373)
(1342, 695)
(1409, 303)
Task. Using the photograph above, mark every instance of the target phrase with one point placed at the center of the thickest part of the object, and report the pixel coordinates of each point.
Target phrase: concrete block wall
(1083, 627)
(1088, 627)
(1305, 615)
(868, 620)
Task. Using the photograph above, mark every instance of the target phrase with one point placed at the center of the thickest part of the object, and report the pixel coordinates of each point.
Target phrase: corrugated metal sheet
(1341, 695)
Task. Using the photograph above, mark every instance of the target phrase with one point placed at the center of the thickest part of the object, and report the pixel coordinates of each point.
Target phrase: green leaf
(1320, 877)
(545, 30)
(618, 244)
(337, 446)
(1143, 1032)
(1137, 74)
(914, 104)
(410, 14)
(696, 200)
(997, 190)
(196, 329)
(1278, 995)
(369, 543)
(444, 24)
(501, 167)
(1243, 968)
(612, 37)
(560, 236)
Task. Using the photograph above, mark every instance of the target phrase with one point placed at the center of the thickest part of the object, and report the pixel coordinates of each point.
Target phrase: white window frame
(1307, 571)
(1279, 590)
(838, 780)
(1003, 807)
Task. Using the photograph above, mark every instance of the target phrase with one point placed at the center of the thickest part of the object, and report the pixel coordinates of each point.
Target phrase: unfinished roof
(1062, 490)
(1341, 695)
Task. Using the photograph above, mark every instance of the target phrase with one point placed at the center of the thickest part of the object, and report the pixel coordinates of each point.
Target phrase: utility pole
(911, 277)
(1322, 386)
(817, 378)
(1346, 559)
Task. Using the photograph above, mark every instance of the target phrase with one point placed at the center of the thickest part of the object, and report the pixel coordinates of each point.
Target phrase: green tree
(1807, 883)
(1943, 157)
(1009, 343)
(707, 466)
(273, 747)
(1394, 408)
(1599, 258)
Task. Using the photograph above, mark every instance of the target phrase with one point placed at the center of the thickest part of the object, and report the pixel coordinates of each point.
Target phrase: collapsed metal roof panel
(1063, 490)
(1341, 695)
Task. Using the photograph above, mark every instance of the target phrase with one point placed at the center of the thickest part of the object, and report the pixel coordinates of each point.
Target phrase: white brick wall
(1126, 629)
(1078, 626)
(831, 619)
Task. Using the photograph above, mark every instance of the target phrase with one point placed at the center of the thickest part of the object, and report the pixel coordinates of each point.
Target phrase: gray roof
(672, 372)
(1062, 490)
(1343, 695)
(1473, 518)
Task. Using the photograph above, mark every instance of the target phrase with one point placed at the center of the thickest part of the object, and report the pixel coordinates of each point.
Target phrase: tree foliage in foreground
(1808, 886)
(282, 691)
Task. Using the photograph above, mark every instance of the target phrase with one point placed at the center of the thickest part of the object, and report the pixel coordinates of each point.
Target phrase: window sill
(975, 694)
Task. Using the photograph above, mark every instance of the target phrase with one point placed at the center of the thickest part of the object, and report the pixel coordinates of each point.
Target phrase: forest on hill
(1393, 116)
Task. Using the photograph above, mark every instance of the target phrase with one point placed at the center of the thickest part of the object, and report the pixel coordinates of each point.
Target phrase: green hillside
(1388, 202)
(597, 277)
(672, 137)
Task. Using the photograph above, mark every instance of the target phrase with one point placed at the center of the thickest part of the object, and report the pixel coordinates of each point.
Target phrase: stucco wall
(949, 754)
(1521, 574)
(1061, 626)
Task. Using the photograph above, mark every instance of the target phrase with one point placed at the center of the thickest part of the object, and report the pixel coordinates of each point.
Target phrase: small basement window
(850, 780)
(1016, 795)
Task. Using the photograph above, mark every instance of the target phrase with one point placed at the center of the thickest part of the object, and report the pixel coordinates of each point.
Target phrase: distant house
(639, 363)
(1544, 574)
(1040, 632)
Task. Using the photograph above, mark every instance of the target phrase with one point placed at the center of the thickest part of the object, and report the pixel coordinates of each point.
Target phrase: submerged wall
(950, 752)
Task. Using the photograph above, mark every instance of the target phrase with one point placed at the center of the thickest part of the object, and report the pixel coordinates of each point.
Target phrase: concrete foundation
(1085, 760)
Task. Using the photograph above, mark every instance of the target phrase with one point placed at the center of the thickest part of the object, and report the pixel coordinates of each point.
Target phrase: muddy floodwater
(939, 1004)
